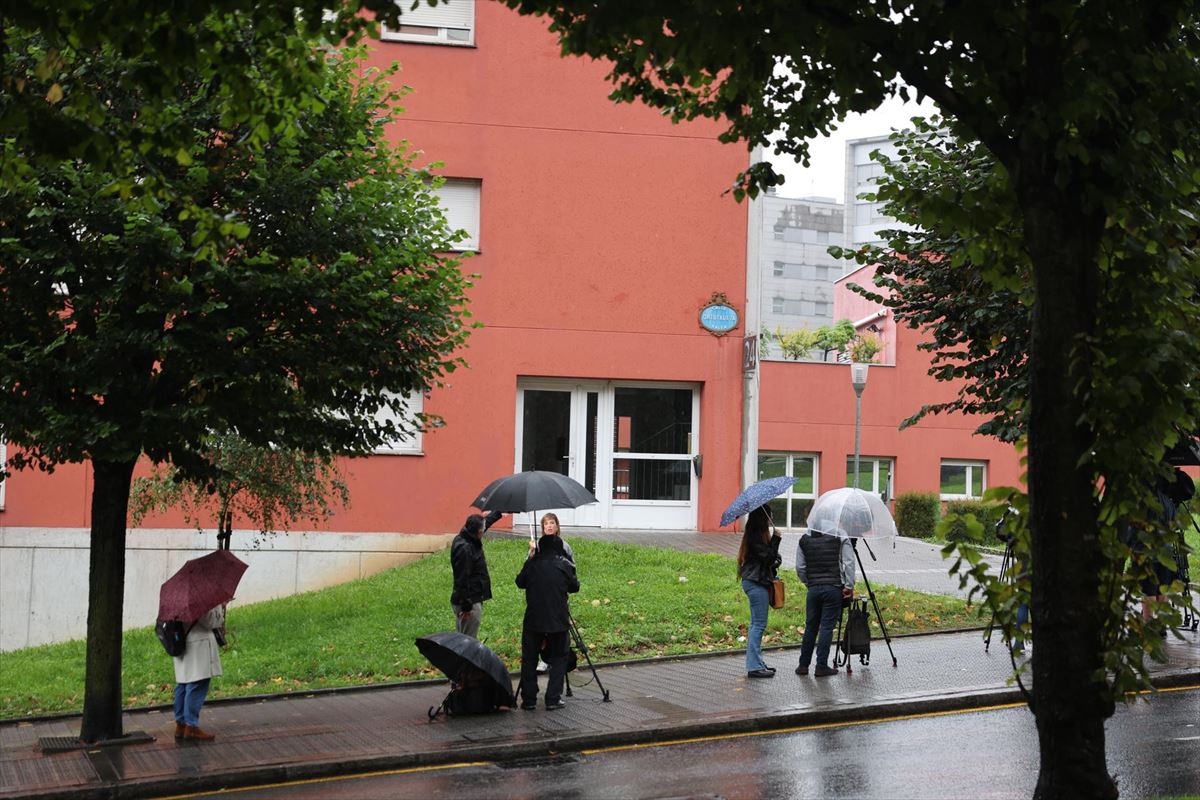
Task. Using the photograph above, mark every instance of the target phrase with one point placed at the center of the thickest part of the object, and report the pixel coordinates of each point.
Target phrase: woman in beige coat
(199, 664)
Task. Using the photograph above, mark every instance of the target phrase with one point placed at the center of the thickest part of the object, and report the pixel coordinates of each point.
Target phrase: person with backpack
(825, 564)
(547, 577)
(194, 671)
(758, 559)
(472, 583)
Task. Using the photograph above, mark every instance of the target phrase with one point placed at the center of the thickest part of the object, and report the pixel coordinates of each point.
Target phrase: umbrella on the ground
(755, 495)
(536, 490)
(852, 514)
(200, 585)
(452, 653)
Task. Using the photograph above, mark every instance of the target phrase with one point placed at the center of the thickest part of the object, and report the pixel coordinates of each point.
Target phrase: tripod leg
(1004, 565)
(871, 593)
(582, 645)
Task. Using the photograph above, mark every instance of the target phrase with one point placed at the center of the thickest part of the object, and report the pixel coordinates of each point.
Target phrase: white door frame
(609, 512)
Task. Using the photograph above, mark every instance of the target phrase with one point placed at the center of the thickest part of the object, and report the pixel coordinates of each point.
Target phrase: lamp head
(858, 377)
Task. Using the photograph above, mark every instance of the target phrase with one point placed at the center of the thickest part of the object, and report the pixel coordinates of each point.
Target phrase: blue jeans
(189, 697)
(759, 600)
(1019, 637)
(823, 608)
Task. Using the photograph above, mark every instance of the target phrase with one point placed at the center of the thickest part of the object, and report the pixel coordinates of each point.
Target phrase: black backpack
(472, 693)
(173, 635)
(857, 637)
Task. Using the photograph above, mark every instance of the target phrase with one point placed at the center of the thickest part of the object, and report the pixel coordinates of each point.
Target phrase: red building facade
(600, 231)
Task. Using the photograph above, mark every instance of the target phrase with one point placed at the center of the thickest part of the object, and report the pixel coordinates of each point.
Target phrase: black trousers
(553, 647)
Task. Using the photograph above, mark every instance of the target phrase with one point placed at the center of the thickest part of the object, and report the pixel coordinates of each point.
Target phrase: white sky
(826, 175)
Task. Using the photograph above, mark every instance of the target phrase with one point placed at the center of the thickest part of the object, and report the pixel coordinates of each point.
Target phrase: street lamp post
(858, 379)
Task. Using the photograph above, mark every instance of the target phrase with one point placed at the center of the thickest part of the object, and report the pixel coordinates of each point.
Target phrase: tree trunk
(1069, 689)
(106, 595)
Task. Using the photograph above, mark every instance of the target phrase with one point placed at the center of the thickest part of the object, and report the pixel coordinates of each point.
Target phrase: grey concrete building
(796, 270)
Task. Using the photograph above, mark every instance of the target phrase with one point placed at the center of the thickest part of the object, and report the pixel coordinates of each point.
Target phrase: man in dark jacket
(825, 564)
(547, 578)
(472, 584)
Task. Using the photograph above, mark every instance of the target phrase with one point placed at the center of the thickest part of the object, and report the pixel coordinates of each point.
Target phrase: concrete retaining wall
(44, 571)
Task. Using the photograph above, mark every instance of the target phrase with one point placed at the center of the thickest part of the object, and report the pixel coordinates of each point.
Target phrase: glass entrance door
(631, 444)
(557, 433)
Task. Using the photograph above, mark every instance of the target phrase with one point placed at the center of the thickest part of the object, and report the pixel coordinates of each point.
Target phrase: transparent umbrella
(852, 514)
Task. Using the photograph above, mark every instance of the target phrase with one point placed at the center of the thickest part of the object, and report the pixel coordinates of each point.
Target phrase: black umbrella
(533, 491)
(453, 653)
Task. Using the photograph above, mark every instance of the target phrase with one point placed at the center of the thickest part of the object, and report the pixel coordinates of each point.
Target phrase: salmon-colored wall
(604, 229)
(809, 407)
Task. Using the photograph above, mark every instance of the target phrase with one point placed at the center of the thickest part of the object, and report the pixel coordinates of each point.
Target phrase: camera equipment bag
(857, 637)
(472, 693)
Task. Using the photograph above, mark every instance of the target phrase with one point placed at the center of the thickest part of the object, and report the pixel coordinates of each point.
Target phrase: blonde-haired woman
(758, 559)
(550, 527)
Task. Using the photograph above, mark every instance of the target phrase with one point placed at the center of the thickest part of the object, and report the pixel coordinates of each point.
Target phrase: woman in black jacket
(758, 558)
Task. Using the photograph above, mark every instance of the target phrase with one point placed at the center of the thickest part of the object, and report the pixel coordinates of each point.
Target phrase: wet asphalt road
(1153, 750)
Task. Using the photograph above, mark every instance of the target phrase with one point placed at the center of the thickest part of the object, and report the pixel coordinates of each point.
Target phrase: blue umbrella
(756, 495)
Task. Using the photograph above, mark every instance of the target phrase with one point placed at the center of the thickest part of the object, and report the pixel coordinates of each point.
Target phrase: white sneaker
(542, 667)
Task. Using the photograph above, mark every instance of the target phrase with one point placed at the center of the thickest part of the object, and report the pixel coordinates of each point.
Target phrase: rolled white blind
(460, 200)
(452, 14)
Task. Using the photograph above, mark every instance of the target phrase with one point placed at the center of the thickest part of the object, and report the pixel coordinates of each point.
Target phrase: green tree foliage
(837, 338)
(1090, 112)
(269, 486)
(965, 284)
(121, 337)
(973, 304)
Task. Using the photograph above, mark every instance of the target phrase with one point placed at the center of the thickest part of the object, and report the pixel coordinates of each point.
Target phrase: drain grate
(63, 744)
(552, 760)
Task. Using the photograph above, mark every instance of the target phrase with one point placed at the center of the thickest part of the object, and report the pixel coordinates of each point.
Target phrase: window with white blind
(449, 22)
(411, 444)
(460, 201)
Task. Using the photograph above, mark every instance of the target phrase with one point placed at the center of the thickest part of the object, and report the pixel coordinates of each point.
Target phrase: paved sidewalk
(318, 734)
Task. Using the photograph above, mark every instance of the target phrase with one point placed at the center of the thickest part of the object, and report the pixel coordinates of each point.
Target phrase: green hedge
(987, 515)
(917, 514)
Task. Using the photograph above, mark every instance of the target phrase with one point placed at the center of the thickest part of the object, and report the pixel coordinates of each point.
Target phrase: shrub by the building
(988, 515)
(917, 514)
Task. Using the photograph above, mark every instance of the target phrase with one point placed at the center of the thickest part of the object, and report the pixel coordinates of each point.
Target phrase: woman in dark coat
(758, 559)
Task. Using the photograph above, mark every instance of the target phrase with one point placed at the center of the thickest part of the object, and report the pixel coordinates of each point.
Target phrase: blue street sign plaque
(717, 316)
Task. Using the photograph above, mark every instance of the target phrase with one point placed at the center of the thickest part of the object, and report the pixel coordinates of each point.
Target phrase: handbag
(776, 592)
(219, 635)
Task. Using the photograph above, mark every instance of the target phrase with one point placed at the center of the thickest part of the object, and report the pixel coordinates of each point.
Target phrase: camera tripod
(1006, 564)
(581, 645)
(871, 594)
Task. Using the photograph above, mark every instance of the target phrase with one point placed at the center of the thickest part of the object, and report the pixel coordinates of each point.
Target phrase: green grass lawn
(635, 602)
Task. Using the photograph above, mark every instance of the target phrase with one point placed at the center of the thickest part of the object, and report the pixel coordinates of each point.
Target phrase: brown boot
(180, 730)
(192, 732)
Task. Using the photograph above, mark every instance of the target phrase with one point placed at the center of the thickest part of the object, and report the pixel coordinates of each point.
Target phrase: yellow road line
(331, 778)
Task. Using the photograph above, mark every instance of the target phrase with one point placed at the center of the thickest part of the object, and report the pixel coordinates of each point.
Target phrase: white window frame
(3, 462)
(439, 20)
(460, 199)
(791, 494)
(412, 446)
(875, 462)
(971, 467)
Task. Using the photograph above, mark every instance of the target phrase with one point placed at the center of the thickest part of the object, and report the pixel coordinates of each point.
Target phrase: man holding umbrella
(825, 563)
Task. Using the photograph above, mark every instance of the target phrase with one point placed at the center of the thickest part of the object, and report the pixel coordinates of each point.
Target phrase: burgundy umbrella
(200, 585)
